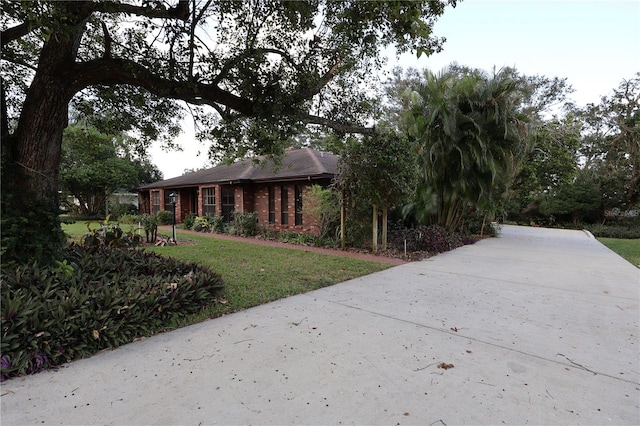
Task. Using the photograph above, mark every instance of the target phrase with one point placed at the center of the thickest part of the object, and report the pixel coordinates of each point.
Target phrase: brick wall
(247, 198)
(261, 207)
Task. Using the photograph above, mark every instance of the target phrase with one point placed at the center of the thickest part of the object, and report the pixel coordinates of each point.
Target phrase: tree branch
(279, 52)
(340, 127)
(110, 71)
(14, 33)
(226, 68)
(192, 34)
(107, 41)
(324, 80)
(179, 11)
(247, 53)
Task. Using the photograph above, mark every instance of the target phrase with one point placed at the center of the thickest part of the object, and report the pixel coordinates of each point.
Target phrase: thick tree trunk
(92, 204)
(37, 142)
(31, 161)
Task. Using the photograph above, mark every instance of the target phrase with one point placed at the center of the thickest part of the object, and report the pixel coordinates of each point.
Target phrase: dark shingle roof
(296, 164)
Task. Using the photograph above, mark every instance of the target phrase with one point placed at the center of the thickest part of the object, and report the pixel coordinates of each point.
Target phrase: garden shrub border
(50, 315)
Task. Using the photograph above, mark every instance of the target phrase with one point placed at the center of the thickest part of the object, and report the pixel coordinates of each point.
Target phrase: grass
(627, 248)
(254, 274)
(76, 230)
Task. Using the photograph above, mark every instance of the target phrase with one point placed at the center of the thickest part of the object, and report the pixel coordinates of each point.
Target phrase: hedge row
(628, 230)
(432, 239)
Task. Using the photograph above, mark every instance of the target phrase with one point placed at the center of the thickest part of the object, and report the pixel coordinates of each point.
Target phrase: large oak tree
(611, 144)
(252, 72)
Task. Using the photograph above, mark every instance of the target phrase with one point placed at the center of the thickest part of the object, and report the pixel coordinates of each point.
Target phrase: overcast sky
(594, 44)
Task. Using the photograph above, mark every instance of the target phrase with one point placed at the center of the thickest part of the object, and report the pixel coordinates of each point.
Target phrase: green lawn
(629, 249)
(76, 230)
(254, 274)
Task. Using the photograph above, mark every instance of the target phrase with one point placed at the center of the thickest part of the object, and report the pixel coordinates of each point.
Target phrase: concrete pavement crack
(461, 336)
(528, 284)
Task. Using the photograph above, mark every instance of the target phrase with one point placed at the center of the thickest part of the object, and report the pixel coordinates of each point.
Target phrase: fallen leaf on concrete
(445, 366)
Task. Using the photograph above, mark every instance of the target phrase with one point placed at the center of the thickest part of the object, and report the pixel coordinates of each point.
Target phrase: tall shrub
(470, 137)
(323, 205)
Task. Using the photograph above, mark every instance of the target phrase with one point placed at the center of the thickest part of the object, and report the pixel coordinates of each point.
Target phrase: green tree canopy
(378, 170)
(610, 145)
(251, 72)
(323, 205)
(575, 200)
(597, 146)
(92, 168)
(551, 162)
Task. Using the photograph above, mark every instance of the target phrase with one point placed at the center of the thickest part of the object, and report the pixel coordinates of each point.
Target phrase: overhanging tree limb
(340, 127)
(179, 11)
(14, 33)
(113, 71)
(110, 71)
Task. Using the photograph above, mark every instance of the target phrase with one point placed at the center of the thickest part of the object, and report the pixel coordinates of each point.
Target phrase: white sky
(594, 44)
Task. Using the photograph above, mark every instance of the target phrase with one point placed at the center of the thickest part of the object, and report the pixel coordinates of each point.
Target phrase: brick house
(275, 193)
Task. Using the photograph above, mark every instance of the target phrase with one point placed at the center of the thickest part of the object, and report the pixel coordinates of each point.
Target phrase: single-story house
(274, 192)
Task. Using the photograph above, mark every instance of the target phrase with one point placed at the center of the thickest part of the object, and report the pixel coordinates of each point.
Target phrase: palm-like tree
(470, 137)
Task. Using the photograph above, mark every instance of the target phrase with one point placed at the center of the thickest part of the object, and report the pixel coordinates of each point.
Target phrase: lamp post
(174, 199)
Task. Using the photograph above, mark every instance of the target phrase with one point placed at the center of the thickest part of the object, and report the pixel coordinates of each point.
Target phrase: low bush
(133, 219)
(297, 238)
(628, 230)
(150, 224)
(201, 224)
(246, 224)
(326, 242)
(96, 298)
(438, 240)
(268, 233)
(478, 225)
(218, 224)
(188, 221)
(118, 210)
(164, 217)
(432, 239)
(67, 220)
(110, 234)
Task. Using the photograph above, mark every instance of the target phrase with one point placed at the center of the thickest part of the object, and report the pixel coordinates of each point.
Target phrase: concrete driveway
(538, 326)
